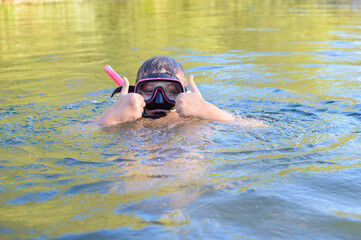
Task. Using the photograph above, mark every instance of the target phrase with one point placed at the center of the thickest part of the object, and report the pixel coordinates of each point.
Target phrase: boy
(159, 90)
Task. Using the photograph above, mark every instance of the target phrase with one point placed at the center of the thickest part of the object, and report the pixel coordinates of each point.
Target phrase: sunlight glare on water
(292, 64)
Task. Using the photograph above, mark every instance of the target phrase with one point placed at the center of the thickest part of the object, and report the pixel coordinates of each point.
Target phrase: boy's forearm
(212, 112)
(107, 118)
(112, 116)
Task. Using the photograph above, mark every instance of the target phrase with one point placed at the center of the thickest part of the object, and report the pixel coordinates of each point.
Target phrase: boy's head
(160, 65)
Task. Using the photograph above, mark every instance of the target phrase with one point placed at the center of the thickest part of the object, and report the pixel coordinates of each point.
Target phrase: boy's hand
(192, 104)
(129, 106)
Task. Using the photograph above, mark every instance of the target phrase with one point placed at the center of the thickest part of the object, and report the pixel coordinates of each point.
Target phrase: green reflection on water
(54, 54)
(49, 52)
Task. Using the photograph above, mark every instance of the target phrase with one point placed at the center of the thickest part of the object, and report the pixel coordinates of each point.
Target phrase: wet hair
(157, 63)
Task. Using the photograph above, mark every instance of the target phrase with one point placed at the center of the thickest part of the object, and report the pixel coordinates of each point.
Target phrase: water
(292, 64)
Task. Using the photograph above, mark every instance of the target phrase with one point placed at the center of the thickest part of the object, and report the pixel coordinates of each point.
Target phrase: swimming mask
(159, 90)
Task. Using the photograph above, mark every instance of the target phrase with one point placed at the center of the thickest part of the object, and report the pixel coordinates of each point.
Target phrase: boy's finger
(125, 87)
(193, 86)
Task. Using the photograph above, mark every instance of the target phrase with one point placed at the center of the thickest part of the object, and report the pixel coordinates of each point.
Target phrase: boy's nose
(159, 98)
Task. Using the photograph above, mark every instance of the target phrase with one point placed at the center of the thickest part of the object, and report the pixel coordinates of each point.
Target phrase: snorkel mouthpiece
(157, 115)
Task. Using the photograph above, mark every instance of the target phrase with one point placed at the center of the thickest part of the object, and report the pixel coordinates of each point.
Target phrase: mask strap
(144, 114)
(118, 89)
(160, 75)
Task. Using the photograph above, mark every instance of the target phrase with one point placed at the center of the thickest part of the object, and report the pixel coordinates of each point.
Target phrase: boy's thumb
(125, 87)
(193, 86)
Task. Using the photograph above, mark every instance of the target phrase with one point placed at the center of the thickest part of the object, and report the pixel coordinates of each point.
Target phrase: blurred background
(292, 64)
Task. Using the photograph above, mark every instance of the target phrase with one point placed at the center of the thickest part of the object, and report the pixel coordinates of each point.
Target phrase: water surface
(292, 64)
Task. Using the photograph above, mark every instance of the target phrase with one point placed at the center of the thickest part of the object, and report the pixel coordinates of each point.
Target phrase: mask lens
(172, 90)
(146, 89)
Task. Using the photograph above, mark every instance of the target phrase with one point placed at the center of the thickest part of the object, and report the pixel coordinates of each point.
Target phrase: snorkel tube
(108, 69)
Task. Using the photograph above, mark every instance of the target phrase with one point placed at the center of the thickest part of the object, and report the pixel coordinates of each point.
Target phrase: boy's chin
(157, 113)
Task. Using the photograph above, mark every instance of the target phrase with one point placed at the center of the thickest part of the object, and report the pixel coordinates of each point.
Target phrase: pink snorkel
(108, 69)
